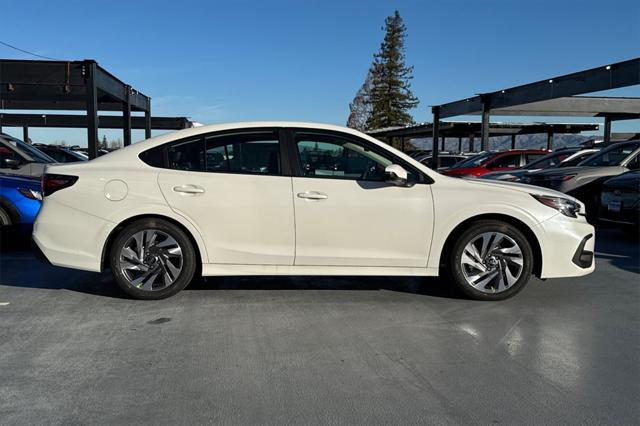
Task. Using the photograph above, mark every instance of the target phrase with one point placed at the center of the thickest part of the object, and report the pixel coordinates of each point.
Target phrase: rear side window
(511, 161)
(187, 155)
(153, 157)
(250, 153)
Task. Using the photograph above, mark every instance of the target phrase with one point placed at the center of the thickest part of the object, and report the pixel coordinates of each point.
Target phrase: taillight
(52, 183)
(30, 193)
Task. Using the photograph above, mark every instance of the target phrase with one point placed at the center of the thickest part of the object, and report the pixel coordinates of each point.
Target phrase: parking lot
(320, 350)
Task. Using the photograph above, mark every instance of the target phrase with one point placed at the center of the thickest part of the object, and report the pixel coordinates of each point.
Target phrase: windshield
(611, 156)
(474, 161)
(577, 159)
(37, 155)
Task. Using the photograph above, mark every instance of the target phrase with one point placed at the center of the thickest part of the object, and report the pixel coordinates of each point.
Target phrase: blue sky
(221, 61)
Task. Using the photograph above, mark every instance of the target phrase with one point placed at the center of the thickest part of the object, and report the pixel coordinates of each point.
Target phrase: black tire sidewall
(455, 269)
(188, 258)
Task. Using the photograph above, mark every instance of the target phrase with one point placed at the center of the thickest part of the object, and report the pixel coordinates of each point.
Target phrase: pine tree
(360, 108)
(390, 95)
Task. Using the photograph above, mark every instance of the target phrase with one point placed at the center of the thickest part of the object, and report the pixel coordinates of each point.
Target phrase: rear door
(234, 187)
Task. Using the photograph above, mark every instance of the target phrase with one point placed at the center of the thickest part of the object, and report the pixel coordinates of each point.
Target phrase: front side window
(340, 158)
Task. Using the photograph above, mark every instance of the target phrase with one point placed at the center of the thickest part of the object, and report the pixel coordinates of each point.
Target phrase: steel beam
(92, 109)
(75, 121)
(613, 76)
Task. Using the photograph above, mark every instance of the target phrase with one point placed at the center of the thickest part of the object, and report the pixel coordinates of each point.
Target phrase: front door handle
(313, 195)
(188, 189)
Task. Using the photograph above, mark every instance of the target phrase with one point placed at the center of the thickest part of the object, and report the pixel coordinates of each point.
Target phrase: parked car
(446, 160)
(282, 198)
(620, 199)
(19, 158)
(584, 181)
(547, 161)
(62, 154)
(495, 161)
(19, 199)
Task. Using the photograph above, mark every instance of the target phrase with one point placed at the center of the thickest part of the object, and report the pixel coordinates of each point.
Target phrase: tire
(5, 217)
(503, 276)
(152, 259)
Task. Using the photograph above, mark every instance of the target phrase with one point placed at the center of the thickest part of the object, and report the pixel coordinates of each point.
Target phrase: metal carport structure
(472, 129)
(72, 86)
(554, 96)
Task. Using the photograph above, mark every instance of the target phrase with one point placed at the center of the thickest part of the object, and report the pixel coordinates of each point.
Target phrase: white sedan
(281, 198)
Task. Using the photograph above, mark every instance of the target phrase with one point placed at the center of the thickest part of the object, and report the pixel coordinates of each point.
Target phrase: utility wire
(26, 51)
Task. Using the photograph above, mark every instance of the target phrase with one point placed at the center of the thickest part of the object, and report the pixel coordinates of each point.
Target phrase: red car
(494, 161)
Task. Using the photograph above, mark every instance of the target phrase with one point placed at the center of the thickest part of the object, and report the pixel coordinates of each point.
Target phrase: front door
(347, 215)
(233, 188)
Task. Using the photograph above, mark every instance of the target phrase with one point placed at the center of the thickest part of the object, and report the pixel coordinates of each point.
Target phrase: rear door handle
(188, 189)
(313, 195)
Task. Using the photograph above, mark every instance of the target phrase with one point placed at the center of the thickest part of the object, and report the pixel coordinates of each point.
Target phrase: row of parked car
(606, 179)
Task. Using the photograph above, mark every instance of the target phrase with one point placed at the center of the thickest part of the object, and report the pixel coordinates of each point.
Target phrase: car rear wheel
(5, 218)
(152, 259)
(492, 260)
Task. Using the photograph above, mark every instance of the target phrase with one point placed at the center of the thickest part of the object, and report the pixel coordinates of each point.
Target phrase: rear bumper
(567, 247)
(57, 239)
(35, 249)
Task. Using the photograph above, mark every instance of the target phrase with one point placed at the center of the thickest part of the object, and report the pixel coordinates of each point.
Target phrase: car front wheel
(152, 259)
(492, 260)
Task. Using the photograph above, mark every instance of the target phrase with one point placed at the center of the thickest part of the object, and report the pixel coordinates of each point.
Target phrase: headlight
(564, 205)
(560, 178)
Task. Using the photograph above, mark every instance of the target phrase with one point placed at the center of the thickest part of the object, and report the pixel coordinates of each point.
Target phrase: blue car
(20, 198)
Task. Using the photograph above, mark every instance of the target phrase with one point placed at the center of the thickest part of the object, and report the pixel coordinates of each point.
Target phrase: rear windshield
(37, 155)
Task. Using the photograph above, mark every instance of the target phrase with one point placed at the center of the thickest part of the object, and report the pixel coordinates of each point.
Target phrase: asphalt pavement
(282, 350)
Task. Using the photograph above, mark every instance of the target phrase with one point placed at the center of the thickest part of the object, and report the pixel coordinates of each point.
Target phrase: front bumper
(567, 247)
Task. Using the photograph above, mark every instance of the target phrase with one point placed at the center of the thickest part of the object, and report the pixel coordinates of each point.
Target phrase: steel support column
(402, 143)
(435, 158)
(550, 141)
(513, 141)
(472, 142)
(607, 129)
(147, 120)
(459, 144)
(25, 134)
(126, 117)
(484, 135)
(442, 142)
(92, 109)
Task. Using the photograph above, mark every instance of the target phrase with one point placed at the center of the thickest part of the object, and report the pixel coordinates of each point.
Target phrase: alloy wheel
(492, 262)
(151, 260)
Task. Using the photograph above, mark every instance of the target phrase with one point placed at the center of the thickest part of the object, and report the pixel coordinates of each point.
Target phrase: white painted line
(4, 303)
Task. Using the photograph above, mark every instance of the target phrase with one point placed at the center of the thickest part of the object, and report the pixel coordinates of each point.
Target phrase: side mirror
(397, 175)
(10, 163)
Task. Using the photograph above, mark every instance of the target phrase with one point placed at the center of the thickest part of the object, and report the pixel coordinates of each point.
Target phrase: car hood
(519, 187)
